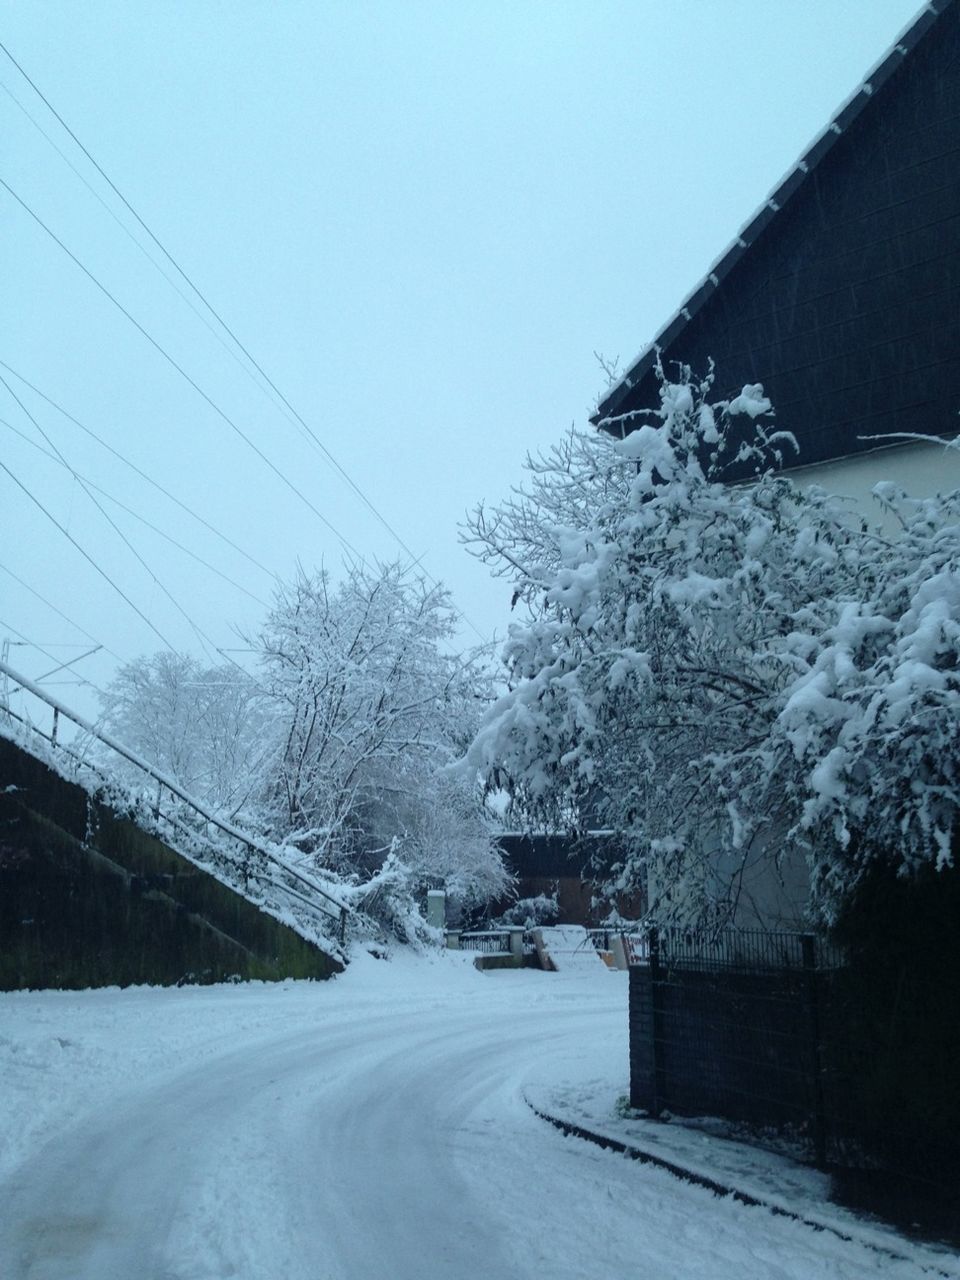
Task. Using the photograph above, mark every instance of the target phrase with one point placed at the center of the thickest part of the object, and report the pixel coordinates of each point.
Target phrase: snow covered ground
(375, 1127)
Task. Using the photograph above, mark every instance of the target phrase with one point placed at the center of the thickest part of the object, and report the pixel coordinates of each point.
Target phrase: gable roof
(881, 183)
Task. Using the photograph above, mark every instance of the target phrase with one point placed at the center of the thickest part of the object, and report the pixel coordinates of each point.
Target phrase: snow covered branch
(722, 672)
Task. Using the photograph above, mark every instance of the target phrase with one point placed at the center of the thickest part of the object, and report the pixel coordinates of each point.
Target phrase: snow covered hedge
(717, 672)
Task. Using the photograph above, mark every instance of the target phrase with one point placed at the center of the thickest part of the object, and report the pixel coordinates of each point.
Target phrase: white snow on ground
(375, 1127)
(569, 947)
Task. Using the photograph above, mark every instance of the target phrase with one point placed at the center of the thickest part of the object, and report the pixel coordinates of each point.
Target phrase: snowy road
(373, 1128)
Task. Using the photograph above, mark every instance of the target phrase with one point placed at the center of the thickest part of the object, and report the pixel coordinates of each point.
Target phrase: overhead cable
(87, 556)
(220, 320)
(5, 626)
(60, 614)
(60, 461)
(138, 244)
(197, 630)
(137, 470)
(217, 316)
(63, 666)
(180, 369)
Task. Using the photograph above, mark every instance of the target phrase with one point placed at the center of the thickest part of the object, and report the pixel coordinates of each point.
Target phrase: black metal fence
(486, 941)
(634, 939)
(767, 1032)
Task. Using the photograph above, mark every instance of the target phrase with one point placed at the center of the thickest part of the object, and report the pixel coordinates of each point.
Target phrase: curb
(643, 1156)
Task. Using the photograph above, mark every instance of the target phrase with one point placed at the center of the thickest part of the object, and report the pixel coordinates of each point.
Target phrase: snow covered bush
(871, 718)
(530, 913)
(388, 903)
(723, 672)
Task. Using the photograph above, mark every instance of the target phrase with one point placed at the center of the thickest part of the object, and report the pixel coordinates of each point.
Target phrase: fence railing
(244, 859)
(489, 942)
(754, 949)
(636, 942)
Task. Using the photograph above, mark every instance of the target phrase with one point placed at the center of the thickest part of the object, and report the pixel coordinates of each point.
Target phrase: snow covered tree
(370, 709)
(199, 725)
(339, 746)
(871, 718)
(720, 673)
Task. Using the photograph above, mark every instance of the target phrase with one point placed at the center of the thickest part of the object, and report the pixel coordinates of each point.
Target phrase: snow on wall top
(610, 401)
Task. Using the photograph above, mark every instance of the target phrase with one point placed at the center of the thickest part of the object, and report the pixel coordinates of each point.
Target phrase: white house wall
(921, 469)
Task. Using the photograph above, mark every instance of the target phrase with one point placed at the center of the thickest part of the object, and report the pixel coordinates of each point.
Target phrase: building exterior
(841, 295)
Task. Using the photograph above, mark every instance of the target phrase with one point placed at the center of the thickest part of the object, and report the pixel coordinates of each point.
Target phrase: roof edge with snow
(849, 111)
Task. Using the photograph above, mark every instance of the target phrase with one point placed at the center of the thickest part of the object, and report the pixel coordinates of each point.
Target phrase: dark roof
(842, 293)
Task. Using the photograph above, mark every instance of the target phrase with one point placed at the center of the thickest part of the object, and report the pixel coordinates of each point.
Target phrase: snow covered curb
(748, 1175)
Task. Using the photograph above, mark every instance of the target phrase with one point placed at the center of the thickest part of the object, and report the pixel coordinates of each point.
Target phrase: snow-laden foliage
(529, 913)
(871, 719)
(335, 752)
(371, 708)
(718, 672)
(388, 903)
(202, 726)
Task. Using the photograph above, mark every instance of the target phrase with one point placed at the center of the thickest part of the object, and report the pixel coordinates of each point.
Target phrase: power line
(179, 368)
(197, 630)
(62, 666)
(137, 470)
(40, 649)
(204, 319)
(130, 236)
(60, 614)
(224, 653)
(130, 511)
(219, 319)
(86, 555)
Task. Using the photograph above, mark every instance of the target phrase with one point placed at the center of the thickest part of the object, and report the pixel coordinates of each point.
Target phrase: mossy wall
(88, 899)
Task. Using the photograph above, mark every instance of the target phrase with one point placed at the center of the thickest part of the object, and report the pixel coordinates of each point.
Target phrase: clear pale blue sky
(423, 219)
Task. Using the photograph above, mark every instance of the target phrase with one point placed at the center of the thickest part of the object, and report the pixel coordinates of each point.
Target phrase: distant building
(564, 868)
